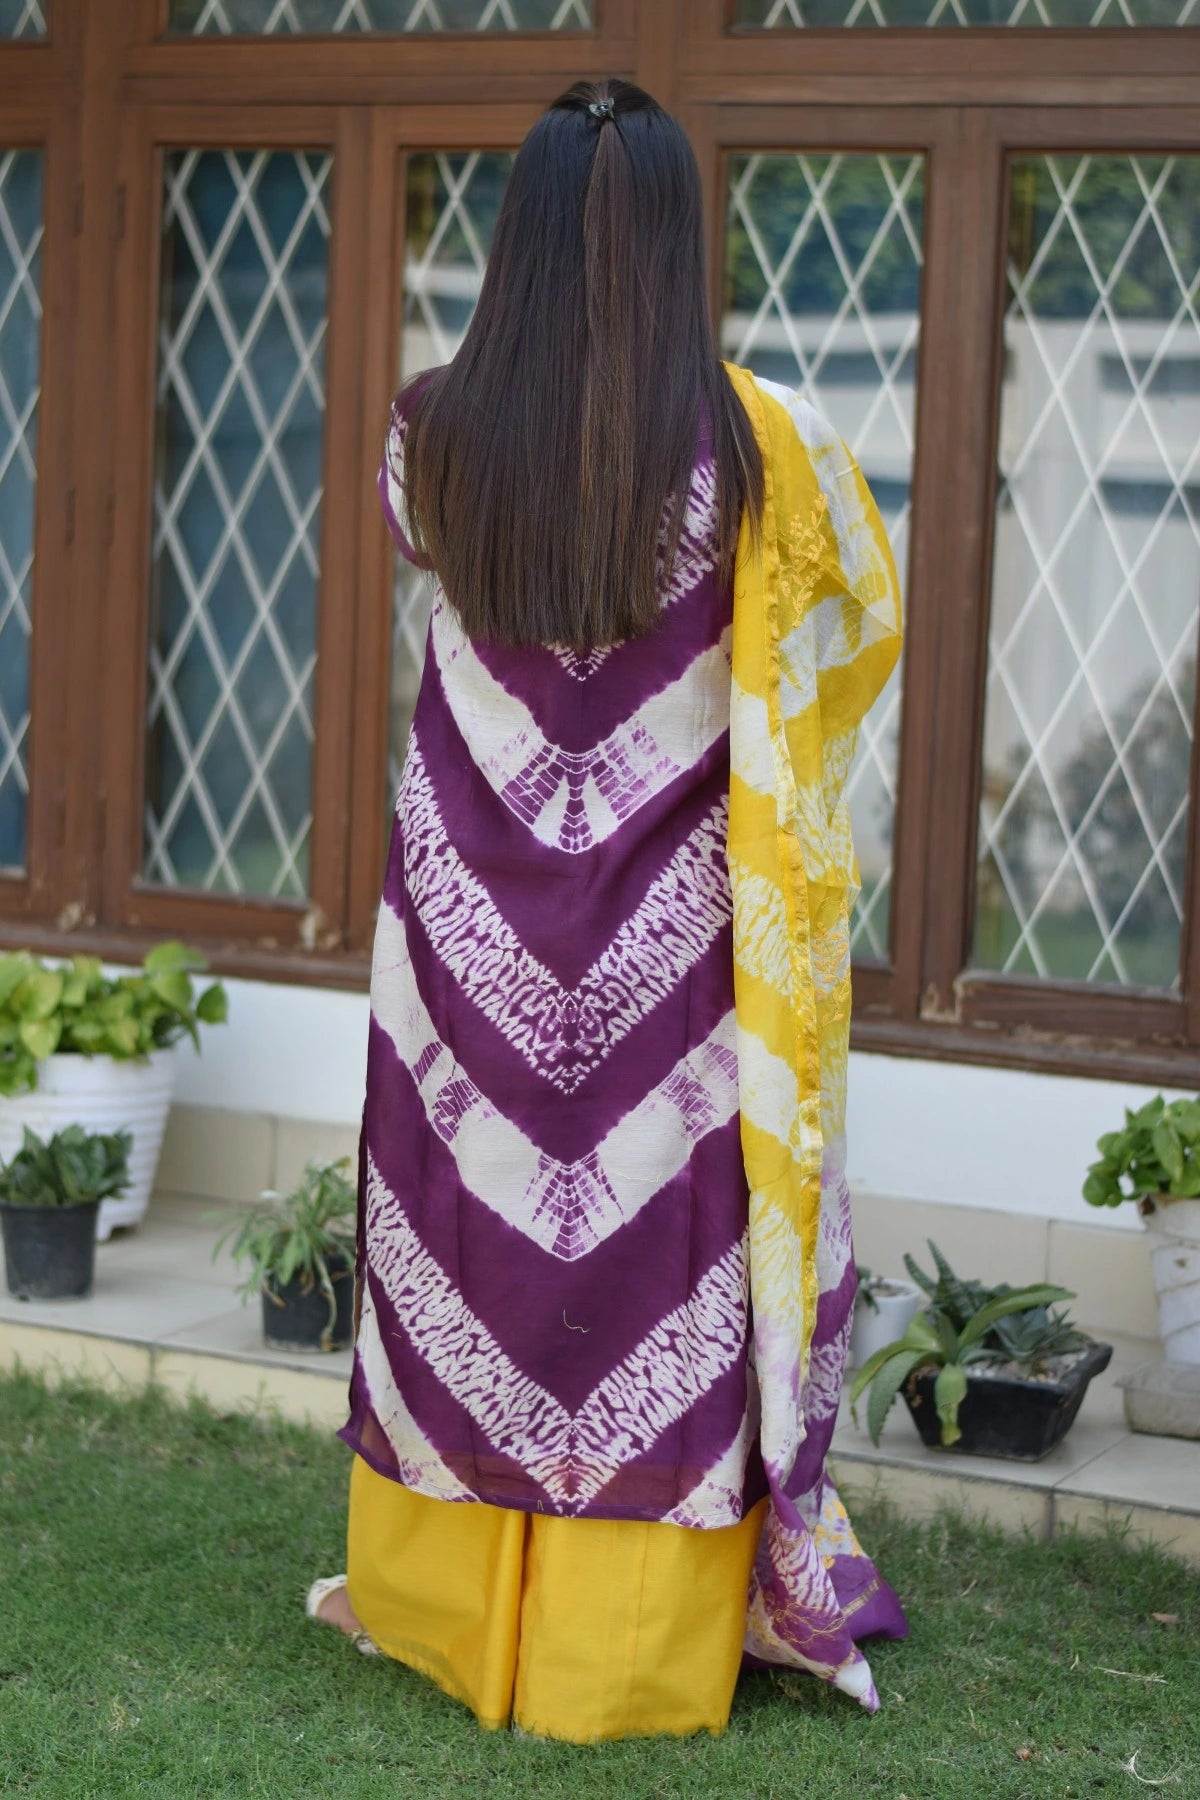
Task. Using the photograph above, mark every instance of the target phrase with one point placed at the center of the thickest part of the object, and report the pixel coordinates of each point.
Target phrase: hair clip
(603, 109)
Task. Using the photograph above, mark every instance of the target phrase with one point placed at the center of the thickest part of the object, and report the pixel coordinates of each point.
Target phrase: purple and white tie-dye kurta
(554, 1287)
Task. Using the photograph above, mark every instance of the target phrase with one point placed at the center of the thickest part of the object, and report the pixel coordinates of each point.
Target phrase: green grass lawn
(152, 1642)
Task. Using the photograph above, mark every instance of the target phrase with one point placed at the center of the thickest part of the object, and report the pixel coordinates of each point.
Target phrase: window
(1096, 577)
(23, 18)
(823, 258)
(201, 18)
(793, 15)
(982, 268)
(20, 342)
(237, 516)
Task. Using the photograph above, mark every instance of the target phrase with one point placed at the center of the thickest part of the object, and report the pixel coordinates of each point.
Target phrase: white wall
(953, 1134)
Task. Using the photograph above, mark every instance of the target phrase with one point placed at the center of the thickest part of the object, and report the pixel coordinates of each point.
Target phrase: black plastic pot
(1002, 1415)
(49, 1251)
(298, 1319)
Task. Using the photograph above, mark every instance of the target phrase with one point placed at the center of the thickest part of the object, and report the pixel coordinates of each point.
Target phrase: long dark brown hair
(541, 462)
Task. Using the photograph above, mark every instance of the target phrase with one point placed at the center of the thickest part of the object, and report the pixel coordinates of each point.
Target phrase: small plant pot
(296, 1318)
(897, 1304)
(105, 1096)
(1173, 1234)
(1008, 1415)
(49, 1251)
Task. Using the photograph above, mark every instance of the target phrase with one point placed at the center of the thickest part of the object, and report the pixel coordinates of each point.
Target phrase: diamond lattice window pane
(23, 19)
(823, 266)
(794, 15)
(266, 18)
(450, 214)
(237, 501)
(1096, 575)
(20, 338)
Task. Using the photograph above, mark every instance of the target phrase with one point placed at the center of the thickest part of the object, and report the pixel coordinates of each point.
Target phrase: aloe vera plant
(957, 1330)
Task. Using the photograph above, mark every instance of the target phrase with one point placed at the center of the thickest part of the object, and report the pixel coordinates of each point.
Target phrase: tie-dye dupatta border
(816, 634)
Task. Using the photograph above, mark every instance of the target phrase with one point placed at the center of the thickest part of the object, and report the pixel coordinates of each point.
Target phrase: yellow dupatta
(816, 634)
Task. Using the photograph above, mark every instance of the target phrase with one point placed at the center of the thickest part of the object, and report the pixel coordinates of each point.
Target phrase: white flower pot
(1173, 1233)
(890, 1317)
(102, 1096)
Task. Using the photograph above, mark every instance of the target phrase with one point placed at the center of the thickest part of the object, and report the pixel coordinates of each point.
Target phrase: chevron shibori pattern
(559, 1242)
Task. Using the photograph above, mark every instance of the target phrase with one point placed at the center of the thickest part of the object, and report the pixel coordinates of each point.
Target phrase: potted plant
(78, 1046)
(49, 1196)
(298, 1253)
(1154, 1161)
(883, 1307)
(990, 1371)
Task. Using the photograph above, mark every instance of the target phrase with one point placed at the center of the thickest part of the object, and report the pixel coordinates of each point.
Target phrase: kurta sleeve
(840, 628)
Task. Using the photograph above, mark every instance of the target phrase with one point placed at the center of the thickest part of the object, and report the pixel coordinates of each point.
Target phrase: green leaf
(947, 1337)
(922, 1335)
(919, 1276)
(174, 989)
(867, 1373)
(172, 957)
(949, 1391)
(886, 1386)
(1020, 1300)
(13, 970)
(122, 1039)
(38, 995)
(41, 1037)
(1168, 1148)
(1102, 1190)
(212, 1008)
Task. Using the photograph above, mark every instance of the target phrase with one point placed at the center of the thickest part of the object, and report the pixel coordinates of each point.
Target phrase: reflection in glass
(203, 18)
(20, 336)
(816, 15)
(822, 292)
(452, 201)
(1096, 574)
(237, 502)
(23, 18)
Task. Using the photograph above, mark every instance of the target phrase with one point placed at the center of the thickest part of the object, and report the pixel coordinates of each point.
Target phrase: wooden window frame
(109, 91)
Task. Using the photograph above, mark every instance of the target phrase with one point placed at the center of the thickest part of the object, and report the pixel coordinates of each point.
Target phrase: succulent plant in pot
(883, 1307)
(1153, 1162)
(988, 1370)
(50, 1193)
(81, 1046)
(298, 1253)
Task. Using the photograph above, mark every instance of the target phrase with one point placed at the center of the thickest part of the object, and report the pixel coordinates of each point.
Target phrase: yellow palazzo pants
(579, 1629)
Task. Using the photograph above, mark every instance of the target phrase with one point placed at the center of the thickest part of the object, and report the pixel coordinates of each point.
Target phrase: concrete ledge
(164, 1311)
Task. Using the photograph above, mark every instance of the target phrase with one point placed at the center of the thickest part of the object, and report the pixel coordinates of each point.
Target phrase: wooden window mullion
(337, 599)
(969, 404)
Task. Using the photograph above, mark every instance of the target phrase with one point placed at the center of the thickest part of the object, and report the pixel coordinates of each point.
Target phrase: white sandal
(317, 1594)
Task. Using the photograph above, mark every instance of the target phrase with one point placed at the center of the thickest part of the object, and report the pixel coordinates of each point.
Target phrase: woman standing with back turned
(605, 1271)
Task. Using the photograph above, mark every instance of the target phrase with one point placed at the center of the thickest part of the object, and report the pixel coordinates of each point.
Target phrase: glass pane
(792, 15)
(823, 292)
(450, 215)
(20, 336)
(1096, 574)
(203, 18)
(237, 505)
(23, 18)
